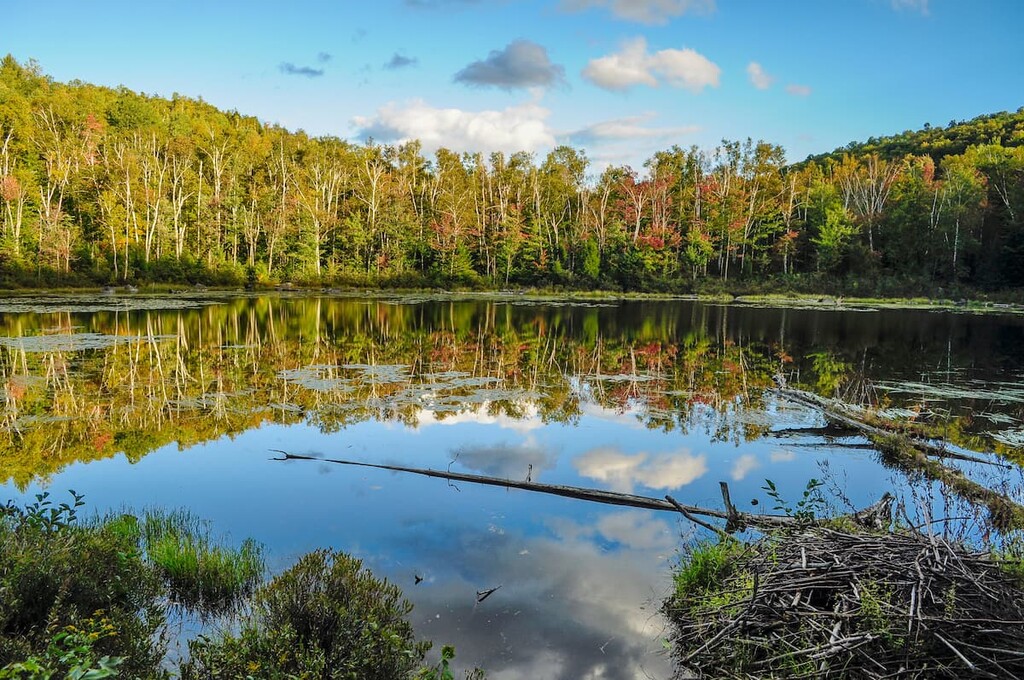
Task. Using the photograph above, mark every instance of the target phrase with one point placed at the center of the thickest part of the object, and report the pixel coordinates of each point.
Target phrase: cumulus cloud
(517, 128)
(290, 69)
(628, 128)
(324, 57)
(798, 90)
(623, 471)
(645, 11)
(398, 61)
(520, 64)
(633, 65)
(759, 78)
(743, 466)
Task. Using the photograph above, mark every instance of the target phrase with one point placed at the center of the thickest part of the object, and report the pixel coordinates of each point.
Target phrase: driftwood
(842, 414)
(872, 516)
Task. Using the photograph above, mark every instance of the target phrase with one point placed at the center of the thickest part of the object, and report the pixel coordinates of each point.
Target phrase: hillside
(1003, 128)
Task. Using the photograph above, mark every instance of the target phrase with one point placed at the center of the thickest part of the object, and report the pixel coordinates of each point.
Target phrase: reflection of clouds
(627, 418)
(506, 460)
(635, 529)
(569, 607)
(530, 419)
(743, 466)
(623, 471)
(781, 456)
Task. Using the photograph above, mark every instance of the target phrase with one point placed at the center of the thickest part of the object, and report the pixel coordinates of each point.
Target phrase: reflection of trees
(146, 379)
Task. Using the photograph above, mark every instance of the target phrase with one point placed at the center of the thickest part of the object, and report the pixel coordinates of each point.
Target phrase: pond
(181, 402)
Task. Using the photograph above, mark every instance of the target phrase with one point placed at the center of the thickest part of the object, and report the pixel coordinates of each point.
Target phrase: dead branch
(734, 518)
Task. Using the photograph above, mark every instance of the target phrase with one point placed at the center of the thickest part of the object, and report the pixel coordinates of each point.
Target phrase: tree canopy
(107, 186)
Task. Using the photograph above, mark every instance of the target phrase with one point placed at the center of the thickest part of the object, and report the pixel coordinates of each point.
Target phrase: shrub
(56, 572)
(326, 617)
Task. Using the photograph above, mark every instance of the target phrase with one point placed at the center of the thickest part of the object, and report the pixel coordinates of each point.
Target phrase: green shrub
(326, 617)
(56, 572)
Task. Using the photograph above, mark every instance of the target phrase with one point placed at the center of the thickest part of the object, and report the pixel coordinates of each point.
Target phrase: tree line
(103, 185)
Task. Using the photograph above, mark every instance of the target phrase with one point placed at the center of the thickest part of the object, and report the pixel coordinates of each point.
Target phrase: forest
(103, 186)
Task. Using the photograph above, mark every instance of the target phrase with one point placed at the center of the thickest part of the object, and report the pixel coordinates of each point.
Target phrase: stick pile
(824, 603)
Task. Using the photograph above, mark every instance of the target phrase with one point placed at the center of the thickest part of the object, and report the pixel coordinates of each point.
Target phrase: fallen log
(839, 413)
(735, 520)
(911, 455)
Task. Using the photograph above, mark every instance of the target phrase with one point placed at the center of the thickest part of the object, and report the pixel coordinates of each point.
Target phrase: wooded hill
(102, 185)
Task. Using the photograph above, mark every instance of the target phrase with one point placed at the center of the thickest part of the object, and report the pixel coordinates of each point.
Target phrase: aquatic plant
(201, 573)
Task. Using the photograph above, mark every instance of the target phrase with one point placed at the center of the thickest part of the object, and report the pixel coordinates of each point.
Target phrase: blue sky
(621, 78)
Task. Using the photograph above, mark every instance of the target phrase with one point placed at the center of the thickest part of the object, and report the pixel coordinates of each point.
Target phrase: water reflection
(646, 397)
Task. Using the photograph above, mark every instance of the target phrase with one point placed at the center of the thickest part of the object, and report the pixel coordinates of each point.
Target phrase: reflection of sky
(580, 583)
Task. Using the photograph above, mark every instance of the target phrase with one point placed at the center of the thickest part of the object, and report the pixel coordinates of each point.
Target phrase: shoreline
(820, 301)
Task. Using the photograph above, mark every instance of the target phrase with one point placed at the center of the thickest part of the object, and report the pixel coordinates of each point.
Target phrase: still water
(140, 402)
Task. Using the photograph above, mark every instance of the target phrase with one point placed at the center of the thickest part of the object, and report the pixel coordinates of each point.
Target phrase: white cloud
(743, 466)
(687, 69)
(798, 90)
(629, 128)
(632, 65)
(758, 76)
(623, 471)
(912, 5)
(624, 69)
(644, 11)
(522, 127)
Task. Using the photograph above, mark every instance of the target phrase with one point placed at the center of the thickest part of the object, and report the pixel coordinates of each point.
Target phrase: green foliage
(707, 571)
(834, 236)
(1004, 128)
(443, 669)
(1011, 557)
(71, 655)
(287, 207)
(810, 506)
(56, 571)
(325, 617)
(89, 600)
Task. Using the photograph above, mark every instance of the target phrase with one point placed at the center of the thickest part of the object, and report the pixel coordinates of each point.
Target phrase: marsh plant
(91, 599)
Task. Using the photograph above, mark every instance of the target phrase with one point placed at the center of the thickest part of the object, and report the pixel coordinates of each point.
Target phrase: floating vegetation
(73, 342)
(318, 378)
(85, 304)
(1013, 438)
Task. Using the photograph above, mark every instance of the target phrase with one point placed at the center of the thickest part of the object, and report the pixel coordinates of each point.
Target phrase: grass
(200, 571)
(707, 576)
